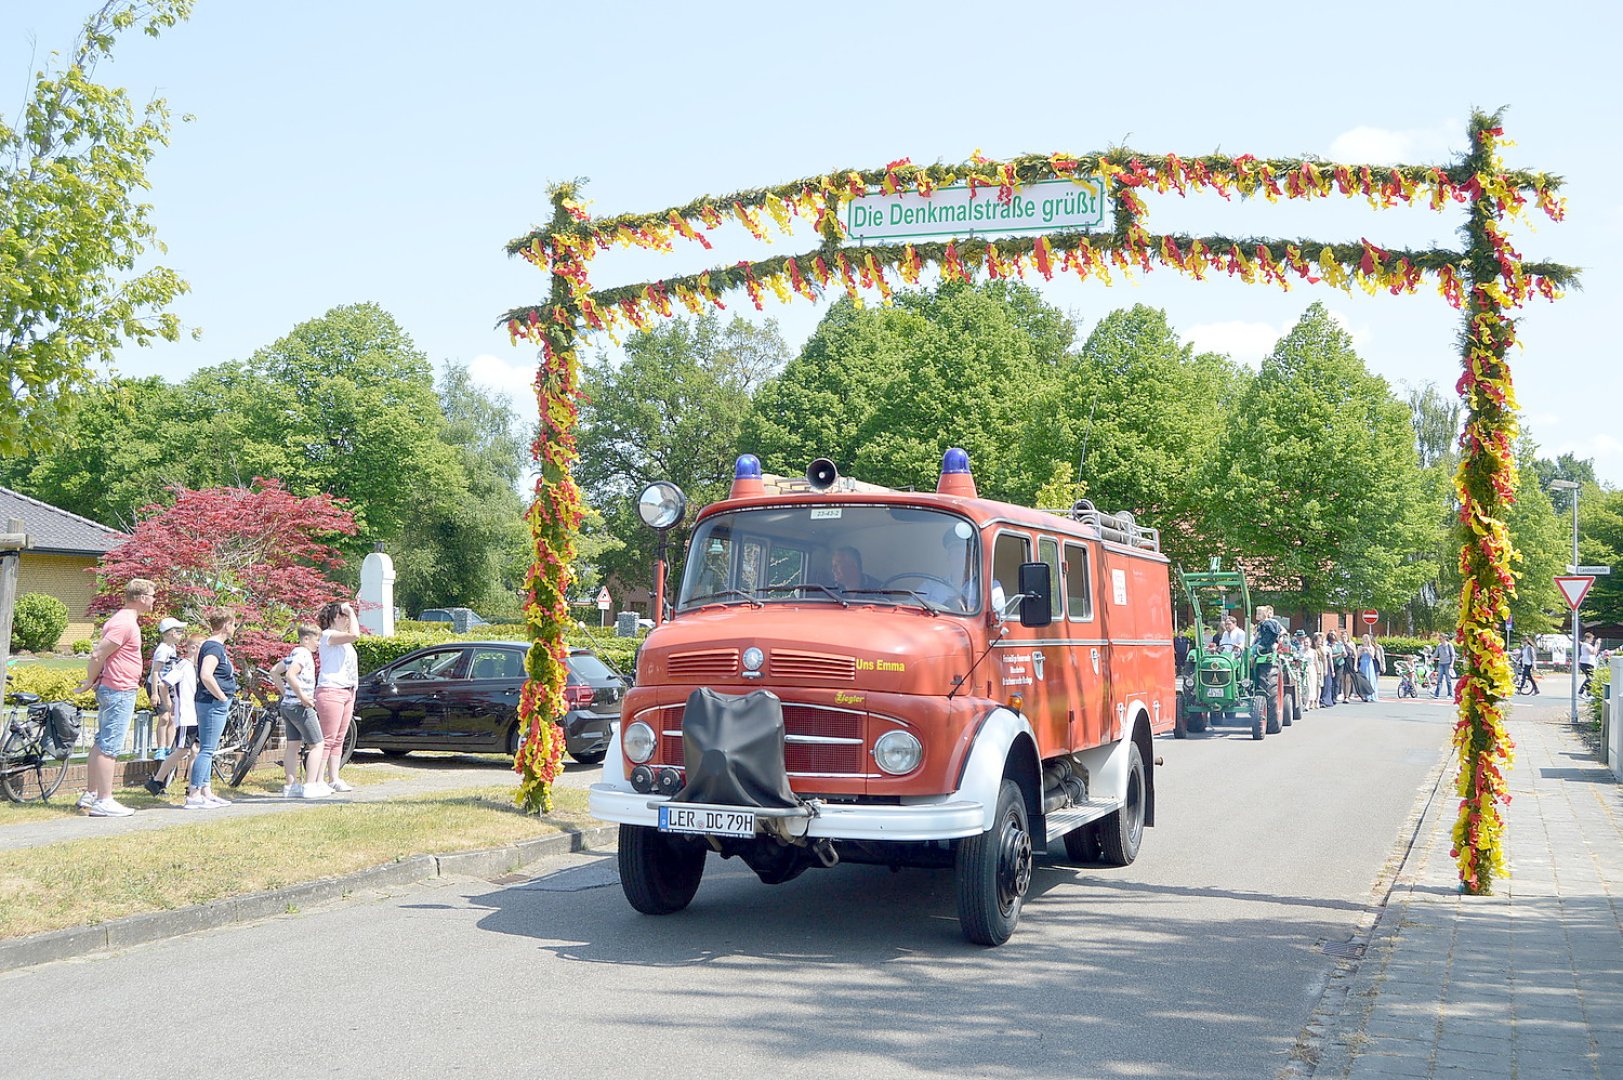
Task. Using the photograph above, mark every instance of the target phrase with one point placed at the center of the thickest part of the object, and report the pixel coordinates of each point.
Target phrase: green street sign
(1048, 206)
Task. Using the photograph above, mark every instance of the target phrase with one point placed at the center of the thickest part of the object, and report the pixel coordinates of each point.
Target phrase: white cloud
(506, 379)
(1361, 335)
(1384, 146)
(1246, 342)
(1600, 447)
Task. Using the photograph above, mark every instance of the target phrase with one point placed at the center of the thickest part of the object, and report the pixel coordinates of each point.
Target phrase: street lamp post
(1577, 621)
(661, 506)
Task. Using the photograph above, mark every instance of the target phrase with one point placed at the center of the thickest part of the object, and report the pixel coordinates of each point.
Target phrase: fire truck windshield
(825, 554)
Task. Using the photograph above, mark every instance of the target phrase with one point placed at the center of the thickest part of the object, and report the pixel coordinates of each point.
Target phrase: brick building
(62, 561)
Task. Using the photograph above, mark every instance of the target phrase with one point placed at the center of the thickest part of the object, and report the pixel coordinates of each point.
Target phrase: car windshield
(590, 668)
(825, 554)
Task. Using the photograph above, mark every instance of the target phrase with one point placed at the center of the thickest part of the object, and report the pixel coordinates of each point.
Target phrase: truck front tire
(994, 871)
(658, 873)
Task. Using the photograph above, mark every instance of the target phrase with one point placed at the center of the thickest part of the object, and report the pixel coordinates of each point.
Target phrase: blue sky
(343, 152)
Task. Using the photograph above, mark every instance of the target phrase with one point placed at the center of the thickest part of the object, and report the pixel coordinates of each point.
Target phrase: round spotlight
(642, 779)
(661, 505)
(670, 782)
(638, 742)
(897, 752)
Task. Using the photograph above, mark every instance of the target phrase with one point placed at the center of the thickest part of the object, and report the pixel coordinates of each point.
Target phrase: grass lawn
(82, 882)
(259, 783)
(57, 663)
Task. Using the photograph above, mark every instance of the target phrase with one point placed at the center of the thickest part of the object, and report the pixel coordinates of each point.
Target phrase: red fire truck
(897, 678)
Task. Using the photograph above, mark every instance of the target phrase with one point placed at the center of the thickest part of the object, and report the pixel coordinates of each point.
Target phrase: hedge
(37, 622)
(374, 652)
(56, 685)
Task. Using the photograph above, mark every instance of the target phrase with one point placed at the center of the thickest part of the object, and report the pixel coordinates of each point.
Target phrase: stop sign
(1371, 617)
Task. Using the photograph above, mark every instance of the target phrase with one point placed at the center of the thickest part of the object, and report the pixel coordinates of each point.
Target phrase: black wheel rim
(1013, 862)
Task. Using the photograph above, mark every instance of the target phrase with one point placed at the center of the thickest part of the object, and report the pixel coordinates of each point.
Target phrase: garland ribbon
(1486, 281)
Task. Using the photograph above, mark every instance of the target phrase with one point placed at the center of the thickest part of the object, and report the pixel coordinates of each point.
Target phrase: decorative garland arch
(1486, 280)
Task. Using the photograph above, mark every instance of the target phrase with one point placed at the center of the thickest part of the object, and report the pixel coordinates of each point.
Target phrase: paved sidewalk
(1523, 985)
(418, 779)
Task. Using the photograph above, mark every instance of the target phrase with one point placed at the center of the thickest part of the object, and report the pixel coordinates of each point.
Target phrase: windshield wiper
(744, 596)
(914, 593)
(838, 596)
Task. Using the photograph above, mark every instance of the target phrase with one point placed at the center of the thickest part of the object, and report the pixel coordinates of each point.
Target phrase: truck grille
(790, 664)
(819, 740)
(703, 664)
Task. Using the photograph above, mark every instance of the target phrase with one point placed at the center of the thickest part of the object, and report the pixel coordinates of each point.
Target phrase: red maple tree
(258, 551)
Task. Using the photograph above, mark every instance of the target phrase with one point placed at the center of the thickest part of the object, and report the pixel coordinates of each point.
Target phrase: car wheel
(591, 757)
(994, 871)
(1121, 833)
(351, 736)
(395, 753)
(659, 874)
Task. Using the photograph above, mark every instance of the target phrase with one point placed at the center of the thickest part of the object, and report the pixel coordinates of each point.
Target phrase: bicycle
(247, 731)
(1526, 681)
(30, 768)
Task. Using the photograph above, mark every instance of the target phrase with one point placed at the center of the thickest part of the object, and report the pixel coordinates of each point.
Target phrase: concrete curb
(159, 925)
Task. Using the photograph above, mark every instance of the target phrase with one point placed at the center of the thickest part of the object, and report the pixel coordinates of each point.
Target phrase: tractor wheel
(1272, 721)
(1259, 711)
(1289, 712)
(1180, 722)
(1197, 722)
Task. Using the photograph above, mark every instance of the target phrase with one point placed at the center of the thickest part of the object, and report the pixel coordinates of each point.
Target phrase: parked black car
(461, 619)
(463, 696)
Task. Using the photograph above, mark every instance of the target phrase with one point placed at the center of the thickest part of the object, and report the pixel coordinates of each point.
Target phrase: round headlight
(661, 505)
(638, 742)
(897, 752)
(753, 659)
(1188, 682)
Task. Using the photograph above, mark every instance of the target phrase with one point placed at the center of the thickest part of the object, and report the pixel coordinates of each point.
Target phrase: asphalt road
(1203, 959)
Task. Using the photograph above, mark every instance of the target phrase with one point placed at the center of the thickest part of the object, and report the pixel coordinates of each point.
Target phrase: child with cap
(180, 684)
(164, 658)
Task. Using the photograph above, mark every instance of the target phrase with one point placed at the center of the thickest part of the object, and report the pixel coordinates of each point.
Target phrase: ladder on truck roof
(1118, 528)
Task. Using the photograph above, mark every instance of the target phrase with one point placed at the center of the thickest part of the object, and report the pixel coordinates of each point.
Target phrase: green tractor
(1222, 681)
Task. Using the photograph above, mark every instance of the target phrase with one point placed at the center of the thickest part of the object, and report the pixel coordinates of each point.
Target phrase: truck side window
(1008, 552)
(1048, 552)
(1078, 595)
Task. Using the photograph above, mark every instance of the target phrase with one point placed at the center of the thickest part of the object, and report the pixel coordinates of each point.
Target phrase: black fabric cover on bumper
(732, 746)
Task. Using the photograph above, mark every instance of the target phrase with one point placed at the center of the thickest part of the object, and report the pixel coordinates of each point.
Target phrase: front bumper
(948, 818)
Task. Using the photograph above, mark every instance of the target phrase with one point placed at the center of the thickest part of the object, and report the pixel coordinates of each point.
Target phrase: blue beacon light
(747, 477)
(955, 475)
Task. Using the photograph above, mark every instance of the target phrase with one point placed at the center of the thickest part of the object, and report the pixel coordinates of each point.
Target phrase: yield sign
(1574, 588)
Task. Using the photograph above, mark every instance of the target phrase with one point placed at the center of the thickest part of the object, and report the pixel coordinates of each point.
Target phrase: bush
(1598, 683)
(55, 685)
(37, 622)
(373, 652)
(83, 647)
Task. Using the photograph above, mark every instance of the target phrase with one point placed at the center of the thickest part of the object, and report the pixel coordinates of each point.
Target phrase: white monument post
(377, 594)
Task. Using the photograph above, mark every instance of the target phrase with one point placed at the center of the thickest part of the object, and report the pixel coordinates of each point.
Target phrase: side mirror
(1036, 594)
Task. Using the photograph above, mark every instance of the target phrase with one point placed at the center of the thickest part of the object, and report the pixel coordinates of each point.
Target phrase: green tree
(1543, 546)
(1435, 418)
(1142, 420)
(73, 287)
(884, 391)
(1322, 478)
(1600, 543)
(671, 410)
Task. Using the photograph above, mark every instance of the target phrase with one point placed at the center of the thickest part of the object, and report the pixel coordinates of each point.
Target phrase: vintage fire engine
(898, 678)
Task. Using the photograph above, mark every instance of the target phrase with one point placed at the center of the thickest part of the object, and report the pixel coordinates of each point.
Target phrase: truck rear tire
(994, 871)
(1121, 833)
(659, 874)
(1259, 715)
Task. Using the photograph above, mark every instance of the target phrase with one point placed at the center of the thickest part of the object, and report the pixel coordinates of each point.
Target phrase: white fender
(1107, 765)
(983, 773)
(614, 762)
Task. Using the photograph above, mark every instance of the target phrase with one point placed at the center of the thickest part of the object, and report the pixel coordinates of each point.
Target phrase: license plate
(711, 821)
(1214, 691)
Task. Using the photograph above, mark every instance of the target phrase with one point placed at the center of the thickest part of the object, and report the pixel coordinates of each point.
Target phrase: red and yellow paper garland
(1485, 280)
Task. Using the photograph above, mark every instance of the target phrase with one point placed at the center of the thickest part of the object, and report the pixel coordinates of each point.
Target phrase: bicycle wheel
(234, 739)
(27, 772)
(256, 745)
